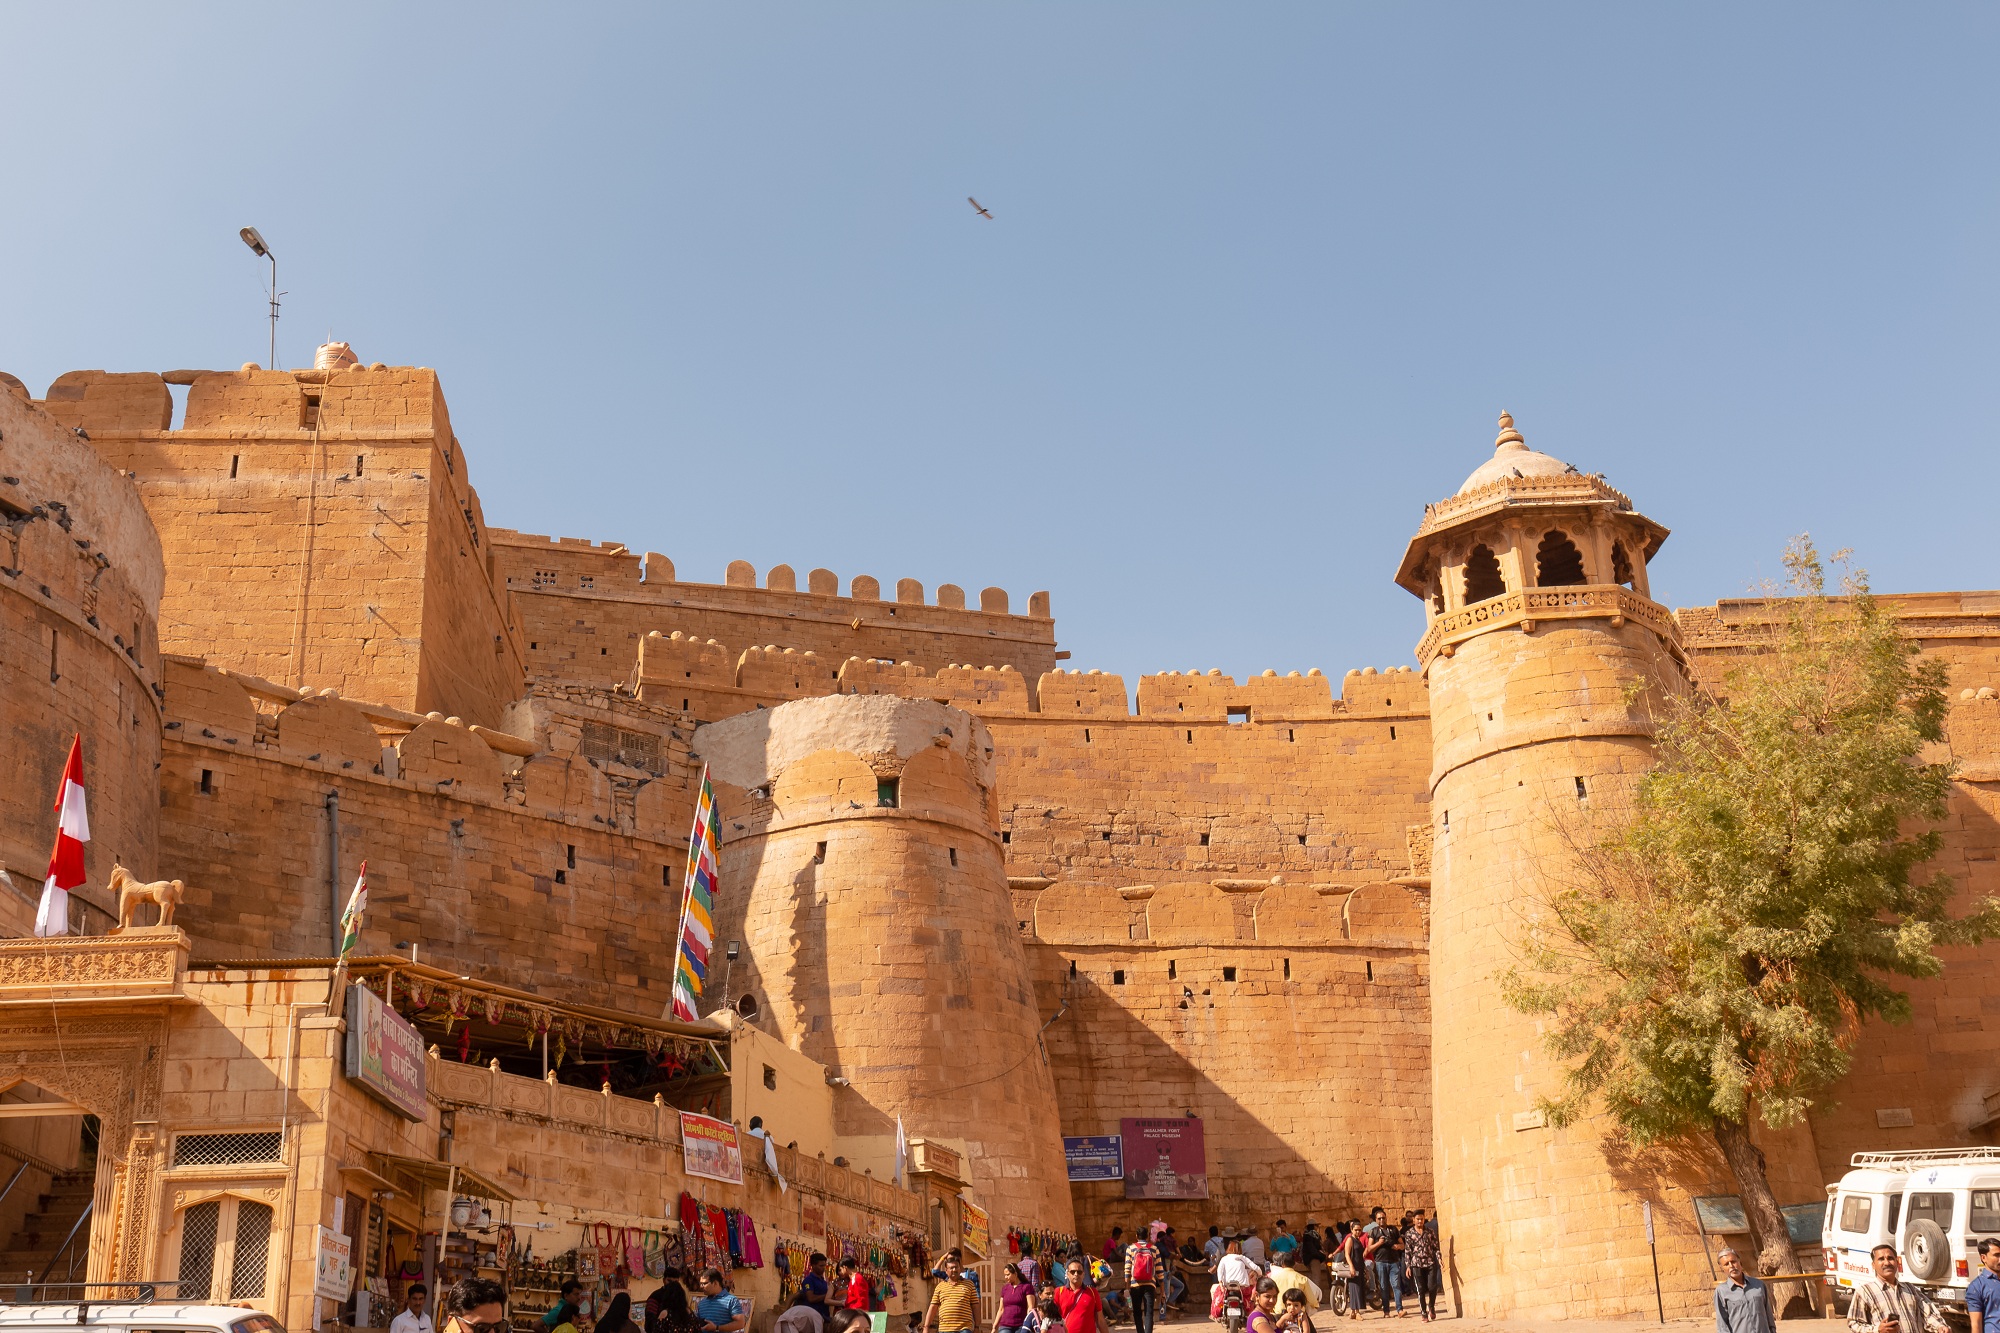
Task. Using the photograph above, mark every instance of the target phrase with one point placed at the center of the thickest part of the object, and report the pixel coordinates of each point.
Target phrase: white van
(124, 1317)
(1933, 1206)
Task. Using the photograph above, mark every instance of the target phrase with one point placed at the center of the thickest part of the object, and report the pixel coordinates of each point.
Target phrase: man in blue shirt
(813, 1285)
(1982, 1297)
(718, 1310)
(1742, 1302)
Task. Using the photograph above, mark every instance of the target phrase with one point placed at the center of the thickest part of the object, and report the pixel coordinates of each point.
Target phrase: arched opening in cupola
(1558, 564)
(1621, 565)
(1482, 575)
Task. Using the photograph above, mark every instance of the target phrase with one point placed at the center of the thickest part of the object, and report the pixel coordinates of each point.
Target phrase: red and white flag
(66, 865)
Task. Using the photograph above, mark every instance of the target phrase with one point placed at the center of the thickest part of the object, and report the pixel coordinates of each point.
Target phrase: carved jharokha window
(225, 1250)
(1558, 564)
(1621, 565)
(1482, 575)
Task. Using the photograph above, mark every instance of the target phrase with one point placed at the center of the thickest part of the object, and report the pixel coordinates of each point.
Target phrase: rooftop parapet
(372, 402)
(784, 672)
(672, 659)
(867, 675)
(1082, 694)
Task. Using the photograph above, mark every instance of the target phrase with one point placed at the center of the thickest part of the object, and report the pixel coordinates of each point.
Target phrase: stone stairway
(43, 1231)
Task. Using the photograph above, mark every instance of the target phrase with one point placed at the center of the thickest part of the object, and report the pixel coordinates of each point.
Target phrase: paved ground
(1373, 1322)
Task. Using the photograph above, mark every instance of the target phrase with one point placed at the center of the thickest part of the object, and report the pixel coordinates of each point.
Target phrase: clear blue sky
(1259, 279)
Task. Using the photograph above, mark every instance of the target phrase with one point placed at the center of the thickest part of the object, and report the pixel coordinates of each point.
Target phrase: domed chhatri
(1523, 522)
(1513, 458)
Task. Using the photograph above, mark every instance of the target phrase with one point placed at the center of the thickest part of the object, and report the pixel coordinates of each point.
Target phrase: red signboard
(1164, 1158)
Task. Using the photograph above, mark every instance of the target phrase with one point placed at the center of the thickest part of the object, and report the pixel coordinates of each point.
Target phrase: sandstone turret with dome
(1534, 581)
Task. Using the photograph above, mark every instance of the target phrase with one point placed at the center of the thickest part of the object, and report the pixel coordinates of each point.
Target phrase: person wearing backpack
(1143, 1279)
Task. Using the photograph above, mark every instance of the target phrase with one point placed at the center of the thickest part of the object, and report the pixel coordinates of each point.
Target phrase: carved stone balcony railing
(473, 1086)
(1525, 608)
(138, 964)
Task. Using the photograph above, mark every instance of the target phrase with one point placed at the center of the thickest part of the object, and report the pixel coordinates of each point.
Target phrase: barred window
(608, 744)
(198, 1233)
(225, 1250)
(253, 1250)
(228, 1149)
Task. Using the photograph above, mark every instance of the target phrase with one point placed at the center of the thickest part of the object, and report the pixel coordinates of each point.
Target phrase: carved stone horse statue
(166, 892)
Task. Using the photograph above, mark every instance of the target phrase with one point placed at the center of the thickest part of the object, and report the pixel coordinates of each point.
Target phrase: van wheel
(1926, 1251)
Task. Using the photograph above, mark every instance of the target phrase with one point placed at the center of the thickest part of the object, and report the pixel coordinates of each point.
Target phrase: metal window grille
(610, 744)
(198, 1250)
(228, 1149)
(253, 1250)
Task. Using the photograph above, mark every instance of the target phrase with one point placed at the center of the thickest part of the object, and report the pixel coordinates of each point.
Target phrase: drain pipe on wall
(333, 865)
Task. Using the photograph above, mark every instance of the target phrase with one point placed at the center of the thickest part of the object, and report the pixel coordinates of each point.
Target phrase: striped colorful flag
(697, 904)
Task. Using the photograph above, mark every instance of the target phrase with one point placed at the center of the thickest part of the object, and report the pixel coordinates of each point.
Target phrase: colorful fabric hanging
(697, 904)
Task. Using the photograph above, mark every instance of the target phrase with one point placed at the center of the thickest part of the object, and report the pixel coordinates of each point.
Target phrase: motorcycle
(1235, 1307)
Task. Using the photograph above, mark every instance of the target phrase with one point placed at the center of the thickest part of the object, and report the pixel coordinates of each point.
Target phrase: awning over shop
(415, 1173)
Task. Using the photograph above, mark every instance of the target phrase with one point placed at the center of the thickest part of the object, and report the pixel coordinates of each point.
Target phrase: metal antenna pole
(274, 312)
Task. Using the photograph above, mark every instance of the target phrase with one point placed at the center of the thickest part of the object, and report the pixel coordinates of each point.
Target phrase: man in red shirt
(1082, 1308)
(855, 1286)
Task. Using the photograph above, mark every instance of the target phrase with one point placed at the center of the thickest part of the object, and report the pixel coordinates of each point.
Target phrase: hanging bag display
(655, 1253)
(635, 1254)
(586, 1256)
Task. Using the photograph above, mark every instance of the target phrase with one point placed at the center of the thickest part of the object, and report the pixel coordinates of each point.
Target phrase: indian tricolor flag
(697, 904)
(66, 864)
(357, 907)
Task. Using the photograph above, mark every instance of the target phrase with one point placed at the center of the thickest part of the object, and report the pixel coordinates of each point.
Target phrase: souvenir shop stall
(606, 1161)
(467, 1020)
(418, 1221)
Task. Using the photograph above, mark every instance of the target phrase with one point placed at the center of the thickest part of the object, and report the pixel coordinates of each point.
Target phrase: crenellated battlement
(708, 679)
(578, 565)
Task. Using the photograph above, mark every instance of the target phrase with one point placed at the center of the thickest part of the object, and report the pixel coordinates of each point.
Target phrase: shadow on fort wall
(1315, 1104)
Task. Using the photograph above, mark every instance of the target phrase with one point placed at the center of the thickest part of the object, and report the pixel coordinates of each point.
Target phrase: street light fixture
(253, 239)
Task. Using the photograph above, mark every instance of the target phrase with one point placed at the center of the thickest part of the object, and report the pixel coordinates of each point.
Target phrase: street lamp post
(255, 241)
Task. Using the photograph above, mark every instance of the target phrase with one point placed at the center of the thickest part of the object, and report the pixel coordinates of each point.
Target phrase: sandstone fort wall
(80, 585)
(317, 525)
(583, 608)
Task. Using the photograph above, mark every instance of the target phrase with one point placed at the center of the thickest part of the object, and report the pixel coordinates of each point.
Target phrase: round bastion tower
(1533, 577)
(862, 873)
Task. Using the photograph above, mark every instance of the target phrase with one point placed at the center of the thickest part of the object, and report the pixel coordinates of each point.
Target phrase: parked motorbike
(1235, 1307)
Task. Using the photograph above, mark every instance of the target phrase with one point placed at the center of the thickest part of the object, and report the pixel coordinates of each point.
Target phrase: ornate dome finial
(1508, 435)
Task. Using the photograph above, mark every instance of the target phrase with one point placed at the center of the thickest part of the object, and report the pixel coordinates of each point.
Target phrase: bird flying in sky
(978, 209)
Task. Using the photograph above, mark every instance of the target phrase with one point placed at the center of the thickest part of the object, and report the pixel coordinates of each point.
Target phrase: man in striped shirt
(954, 1301)
(1886, 1305)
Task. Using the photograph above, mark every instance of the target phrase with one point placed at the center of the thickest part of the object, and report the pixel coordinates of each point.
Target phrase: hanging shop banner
(333, 1269)
(385, 1053)
(1094, 1157)
(709, 1148)
(1164, 1159)
(975, 1229)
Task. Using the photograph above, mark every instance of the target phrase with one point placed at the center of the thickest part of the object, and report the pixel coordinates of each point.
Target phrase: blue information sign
(1094, 1157)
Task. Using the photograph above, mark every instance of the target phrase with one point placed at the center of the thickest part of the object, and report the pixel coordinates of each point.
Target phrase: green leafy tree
(1715, 955)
